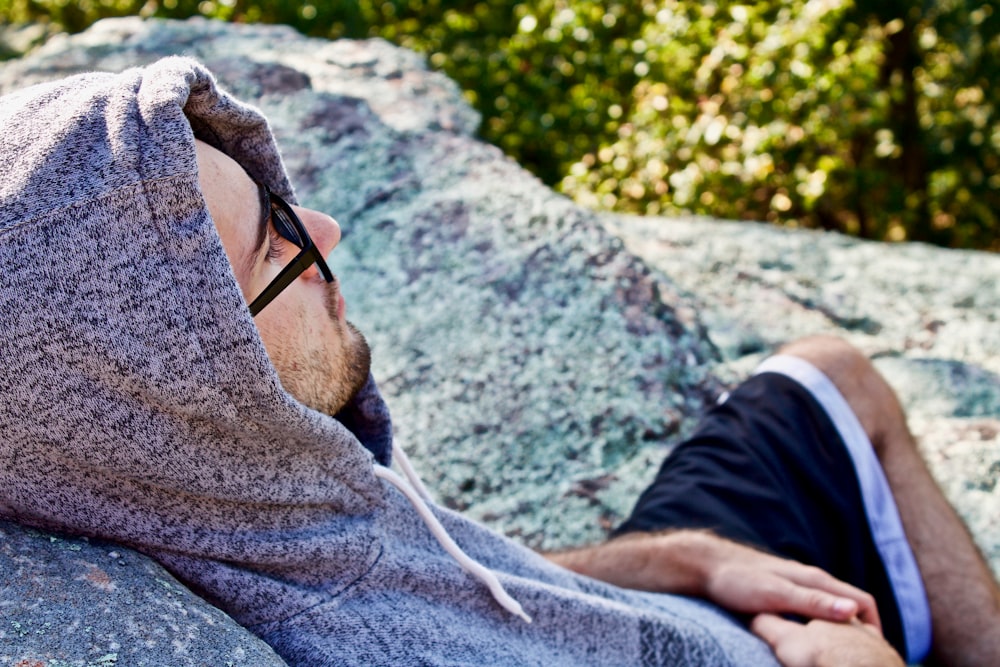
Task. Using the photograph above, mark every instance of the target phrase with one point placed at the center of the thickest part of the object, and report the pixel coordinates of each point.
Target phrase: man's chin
(357, 365)
(329, 378)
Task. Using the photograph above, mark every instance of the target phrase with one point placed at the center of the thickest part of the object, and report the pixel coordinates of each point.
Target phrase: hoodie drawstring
(417, 494)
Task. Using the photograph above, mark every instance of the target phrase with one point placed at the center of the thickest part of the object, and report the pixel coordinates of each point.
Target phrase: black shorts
(783, 464)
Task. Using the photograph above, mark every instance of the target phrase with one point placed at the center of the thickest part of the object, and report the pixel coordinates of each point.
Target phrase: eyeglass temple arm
(288, 275)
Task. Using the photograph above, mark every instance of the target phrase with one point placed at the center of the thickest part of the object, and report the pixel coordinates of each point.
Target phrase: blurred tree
(873, 118)
(819, 113)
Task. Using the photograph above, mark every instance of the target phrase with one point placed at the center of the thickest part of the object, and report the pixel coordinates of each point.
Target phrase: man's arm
(736, 577)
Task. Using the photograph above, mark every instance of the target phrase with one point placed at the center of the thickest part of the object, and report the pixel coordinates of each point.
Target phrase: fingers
(793, 643)
(870, 629)
(822, 642)
(749, 581)
(773, 629)
(829, 598)
(788, 597)
(868, 610)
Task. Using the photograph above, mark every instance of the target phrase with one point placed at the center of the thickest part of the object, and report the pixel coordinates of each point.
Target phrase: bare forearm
(736, 577)
(669, 562)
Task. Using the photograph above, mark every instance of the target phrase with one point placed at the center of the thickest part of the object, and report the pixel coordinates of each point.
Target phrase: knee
(838, 359)
(863, 387)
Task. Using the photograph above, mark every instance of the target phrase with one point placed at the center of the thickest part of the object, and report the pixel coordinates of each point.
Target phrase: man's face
(321, 358)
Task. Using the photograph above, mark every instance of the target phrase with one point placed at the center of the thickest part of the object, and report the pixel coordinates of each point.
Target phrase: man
(181, 378)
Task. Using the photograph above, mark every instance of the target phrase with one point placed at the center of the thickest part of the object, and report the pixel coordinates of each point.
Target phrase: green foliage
(825, 114)
(873, 118)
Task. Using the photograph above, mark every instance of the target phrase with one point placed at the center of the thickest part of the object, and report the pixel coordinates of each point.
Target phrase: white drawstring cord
(404, 462)
(472, 567)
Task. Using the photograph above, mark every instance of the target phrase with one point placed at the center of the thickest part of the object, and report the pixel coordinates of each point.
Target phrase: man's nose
(323, 230)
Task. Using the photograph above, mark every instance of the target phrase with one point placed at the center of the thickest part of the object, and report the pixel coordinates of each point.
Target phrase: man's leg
(964, 597)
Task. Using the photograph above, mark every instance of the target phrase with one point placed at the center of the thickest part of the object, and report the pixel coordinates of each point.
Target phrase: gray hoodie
(140, 406)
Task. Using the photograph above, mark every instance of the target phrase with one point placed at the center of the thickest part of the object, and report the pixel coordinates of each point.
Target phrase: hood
(139, 403)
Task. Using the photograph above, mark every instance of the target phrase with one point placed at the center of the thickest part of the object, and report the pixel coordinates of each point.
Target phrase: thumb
(772, 629)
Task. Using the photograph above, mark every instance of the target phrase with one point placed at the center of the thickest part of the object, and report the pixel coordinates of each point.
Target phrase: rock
(70, 602)
(539, 358)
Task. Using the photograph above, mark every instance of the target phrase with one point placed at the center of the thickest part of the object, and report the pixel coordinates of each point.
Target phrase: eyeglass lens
(283, 224)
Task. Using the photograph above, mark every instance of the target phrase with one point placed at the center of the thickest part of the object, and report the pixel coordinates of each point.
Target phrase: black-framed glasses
(290, 228)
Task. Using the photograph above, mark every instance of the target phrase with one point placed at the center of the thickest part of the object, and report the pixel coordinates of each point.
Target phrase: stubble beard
(328, 378)
(354, 362)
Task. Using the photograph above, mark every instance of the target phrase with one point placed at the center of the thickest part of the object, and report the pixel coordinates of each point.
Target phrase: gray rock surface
(539, 358)
(68, 602)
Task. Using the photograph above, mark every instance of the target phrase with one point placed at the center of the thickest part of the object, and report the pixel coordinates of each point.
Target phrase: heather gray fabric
(140, 406)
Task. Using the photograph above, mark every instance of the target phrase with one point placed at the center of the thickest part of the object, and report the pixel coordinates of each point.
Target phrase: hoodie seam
(40, 218)
(269, 625)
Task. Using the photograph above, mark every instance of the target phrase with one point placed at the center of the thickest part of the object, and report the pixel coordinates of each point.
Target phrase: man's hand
(735, 577)
(744, 580)
(825, 644)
